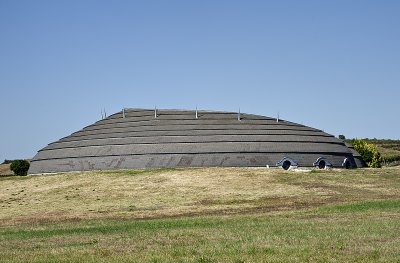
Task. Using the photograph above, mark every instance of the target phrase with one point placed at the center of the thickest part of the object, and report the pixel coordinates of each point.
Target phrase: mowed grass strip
(357, 232)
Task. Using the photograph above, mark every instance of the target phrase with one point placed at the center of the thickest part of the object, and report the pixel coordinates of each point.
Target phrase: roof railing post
(197, 116)
(238, 117)
(155, 112)
(123, 113)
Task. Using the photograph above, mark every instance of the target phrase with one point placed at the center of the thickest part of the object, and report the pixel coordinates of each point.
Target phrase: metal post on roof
(239, 115)
(197, 116)
(277, 118)
(155, 112)
(123, 113)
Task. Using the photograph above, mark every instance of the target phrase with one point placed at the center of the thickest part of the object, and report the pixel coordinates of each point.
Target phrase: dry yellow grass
(177, 192)
(384, 151)
(5, 169)
(244, 215)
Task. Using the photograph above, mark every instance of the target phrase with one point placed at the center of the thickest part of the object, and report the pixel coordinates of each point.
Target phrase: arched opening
(322, 164)
(346, 164)
(286, 165)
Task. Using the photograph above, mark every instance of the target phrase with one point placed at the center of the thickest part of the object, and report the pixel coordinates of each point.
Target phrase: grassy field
(202, 215)
(393, 145)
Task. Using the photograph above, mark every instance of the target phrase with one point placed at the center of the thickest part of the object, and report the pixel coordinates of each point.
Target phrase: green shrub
(20, 167)
(342, 137)
(368, 152)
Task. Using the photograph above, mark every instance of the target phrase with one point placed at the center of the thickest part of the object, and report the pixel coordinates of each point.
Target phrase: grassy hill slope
(202, 215)
(5, 169)
(389, 150)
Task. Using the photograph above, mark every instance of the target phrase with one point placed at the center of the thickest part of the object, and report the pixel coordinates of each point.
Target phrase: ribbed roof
(135, 132)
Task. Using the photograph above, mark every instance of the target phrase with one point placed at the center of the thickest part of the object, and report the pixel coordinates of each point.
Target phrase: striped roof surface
(145, 138)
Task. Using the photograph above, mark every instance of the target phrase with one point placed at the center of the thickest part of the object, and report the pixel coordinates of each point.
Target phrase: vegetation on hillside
(389, 144)
(5, 167)
(388, 149)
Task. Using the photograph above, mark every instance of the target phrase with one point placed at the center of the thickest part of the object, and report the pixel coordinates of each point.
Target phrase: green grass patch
(108, 226)
(381, 205)
(280, 237)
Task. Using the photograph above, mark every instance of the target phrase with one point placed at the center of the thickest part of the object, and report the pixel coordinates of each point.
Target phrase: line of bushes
(391, 158)
(385, 143)
(382, 141)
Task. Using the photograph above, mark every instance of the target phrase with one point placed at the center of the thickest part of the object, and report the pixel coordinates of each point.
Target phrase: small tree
(342, 137)
(20, 167)
(368, 152)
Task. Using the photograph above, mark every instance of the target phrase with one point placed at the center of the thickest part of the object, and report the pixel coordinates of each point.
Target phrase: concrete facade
(135, 138)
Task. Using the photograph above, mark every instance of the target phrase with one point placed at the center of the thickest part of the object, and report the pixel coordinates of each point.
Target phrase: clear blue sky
(333, 65)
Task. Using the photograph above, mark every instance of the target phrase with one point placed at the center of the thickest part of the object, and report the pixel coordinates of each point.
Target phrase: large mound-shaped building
(142, 138)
